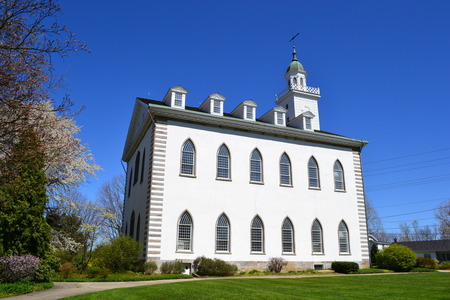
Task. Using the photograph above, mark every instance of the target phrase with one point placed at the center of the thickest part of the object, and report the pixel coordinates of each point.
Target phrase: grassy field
(397, 286)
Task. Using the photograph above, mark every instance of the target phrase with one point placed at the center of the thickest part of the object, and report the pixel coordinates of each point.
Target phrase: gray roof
(439, 245)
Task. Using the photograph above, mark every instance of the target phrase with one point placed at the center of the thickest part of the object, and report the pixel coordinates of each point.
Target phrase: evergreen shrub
(213, 267)
(397, 258)
(445, 265)
(344, 267)
(171, 267)
(121, 254)
(150, 267)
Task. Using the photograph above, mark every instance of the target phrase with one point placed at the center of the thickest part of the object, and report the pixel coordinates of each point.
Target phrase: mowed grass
(397, 286)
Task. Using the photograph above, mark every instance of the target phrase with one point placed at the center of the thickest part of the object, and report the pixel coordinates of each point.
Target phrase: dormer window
(249, 113)
(216, 108)
(178, 100)
(308, 123)
(280, 118)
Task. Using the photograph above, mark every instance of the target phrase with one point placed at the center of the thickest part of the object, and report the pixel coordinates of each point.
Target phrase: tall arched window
(339, 183)
(316, 237)
(129, 182)
(184, 242)
(132, 224)
(313, 173)
(285, 170)
(256, 167)
(223, 234)
(287, 236)
(188, 158)
(143, 166)
(136, 167)
(257, 236)
(223, 162)
(344, 246)
(138, 228)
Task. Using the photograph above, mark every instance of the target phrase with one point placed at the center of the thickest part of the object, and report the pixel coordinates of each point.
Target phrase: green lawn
(397, 286)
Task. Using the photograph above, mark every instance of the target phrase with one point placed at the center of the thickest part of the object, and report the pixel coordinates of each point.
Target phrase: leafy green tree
(22, 200)
(121, 254)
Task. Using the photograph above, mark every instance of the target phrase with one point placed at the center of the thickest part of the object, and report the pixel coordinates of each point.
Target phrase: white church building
(203, 182)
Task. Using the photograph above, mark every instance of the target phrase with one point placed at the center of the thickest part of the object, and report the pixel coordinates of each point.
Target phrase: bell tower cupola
(299, 99)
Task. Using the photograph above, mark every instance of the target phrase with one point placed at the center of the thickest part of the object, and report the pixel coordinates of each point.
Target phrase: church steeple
(299, 99)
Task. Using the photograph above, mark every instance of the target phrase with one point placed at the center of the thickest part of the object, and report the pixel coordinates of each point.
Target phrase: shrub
(150, 267)
(276, 264)
(120, 255)
(253, 272)
(67, 269)
(92, 272)
(445, 265)
(213, 267)
(15, 268)
(47, 268)
(344, 267)
(423, 270)
(396, 257)
(425, 262)
(171, 267)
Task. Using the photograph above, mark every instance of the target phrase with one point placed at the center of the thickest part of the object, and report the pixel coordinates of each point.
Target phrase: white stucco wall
(207, 198)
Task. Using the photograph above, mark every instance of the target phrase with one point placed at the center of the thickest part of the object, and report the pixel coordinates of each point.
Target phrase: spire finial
(294, 54)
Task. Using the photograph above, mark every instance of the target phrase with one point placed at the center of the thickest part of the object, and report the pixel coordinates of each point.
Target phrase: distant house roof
(439, 245)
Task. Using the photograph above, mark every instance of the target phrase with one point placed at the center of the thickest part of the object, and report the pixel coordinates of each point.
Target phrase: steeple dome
(295, 66)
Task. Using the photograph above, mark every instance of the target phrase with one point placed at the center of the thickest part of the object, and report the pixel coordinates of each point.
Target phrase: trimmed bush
(213, 267)
(171, 267)
(421, 270)
(344, 267)
(150, 267)
(445, 265)
(15, 268)
(425, 262)
(396, 257)
(276, 264)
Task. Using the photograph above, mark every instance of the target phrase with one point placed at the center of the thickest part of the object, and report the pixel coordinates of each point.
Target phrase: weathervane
(293, 39)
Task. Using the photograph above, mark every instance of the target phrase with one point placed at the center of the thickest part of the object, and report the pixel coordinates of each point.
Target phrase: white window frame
(343, 238)
(285, 170)
(186, 162)
(178, 99)
(249, 113)
(339, 178)
(287, 237)
(308, 123)
(280, 118)
(313, 174)
(217, 107)
(316, 237)
(257, 236)
(184, 242)
(221, 160)
(254, 165)
(219, 235)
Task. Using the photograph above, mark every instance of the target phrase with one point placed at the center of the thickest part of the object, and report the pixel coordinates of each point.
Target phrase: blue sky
(383, 68)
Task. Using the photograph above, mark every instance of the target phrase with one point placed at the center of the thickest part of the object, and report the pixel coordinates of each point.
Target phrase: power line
(406, 183)
(408, 203)
(396, 171)
(410, 155)
(404, 165)
(411, 213)
(409, 220)
(433, 225)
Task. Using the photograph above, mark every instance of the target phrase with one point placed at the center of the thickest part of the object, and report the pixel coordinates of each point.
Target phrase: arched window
(138, 228)
(257, 236)
(256, 167)
(344, 247)
(129, 182)
(313, 173)
(339, 183)
(287, 236)
(143, 166)
(316, 237)
(184, 242)
(223, 162)
(223, 234)
(188, 158)
(136, 167)
(285, 170)
(132, 224)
